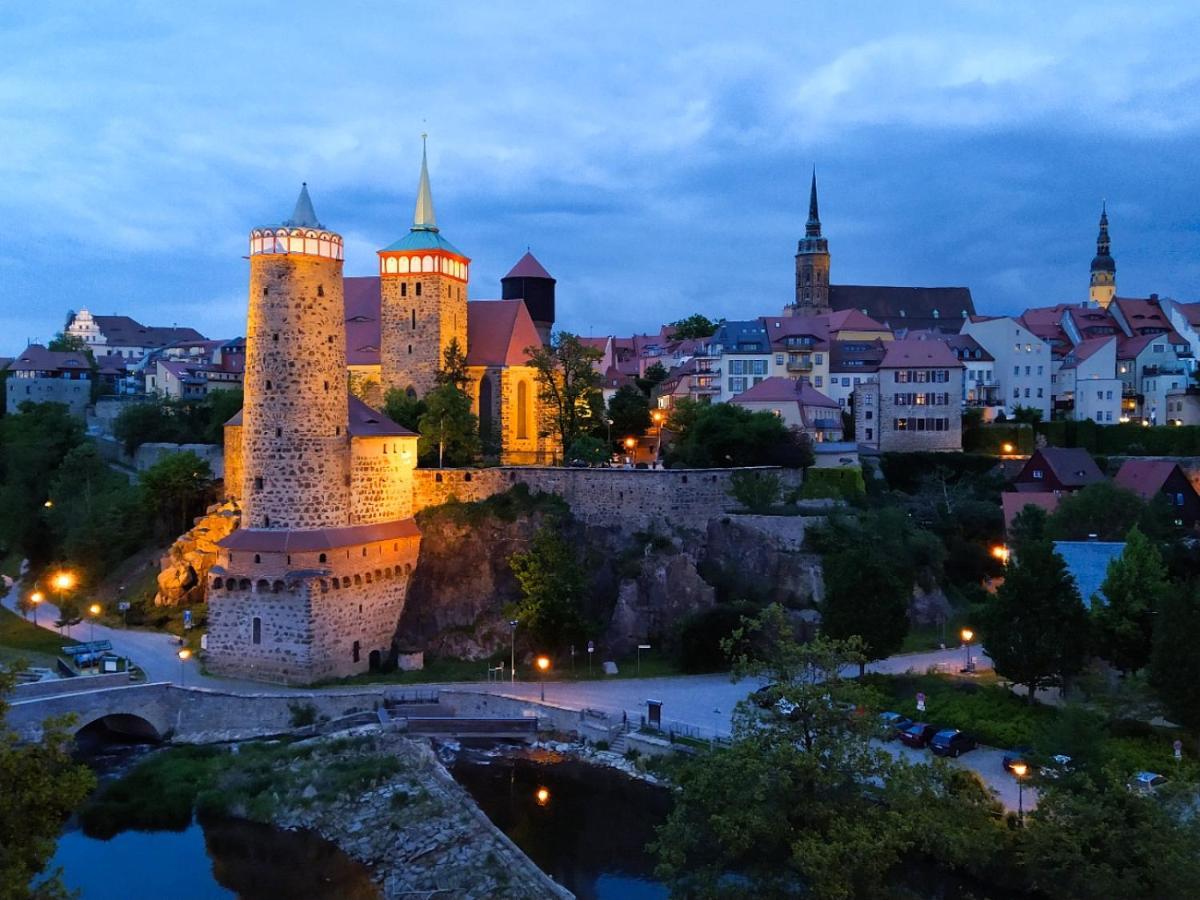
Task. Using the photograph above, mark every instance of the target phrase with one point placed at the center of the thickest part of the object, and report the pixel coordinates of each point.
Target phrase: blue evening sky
(656, 157)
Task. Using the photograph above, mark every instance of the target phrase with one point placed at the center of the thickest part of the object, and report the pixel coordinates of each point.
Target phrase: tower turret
(529, 281)
(1104, 267)
(295, 445)
(423, 285)
(812, 263)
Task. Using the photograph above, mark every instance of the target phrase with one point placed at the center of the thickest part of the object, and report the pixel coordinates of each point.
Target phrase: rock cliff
(184, 567)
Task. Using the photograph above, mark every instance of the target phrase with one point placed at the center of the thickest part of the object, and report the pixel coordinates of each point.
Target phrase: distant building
(1148, 478)
(917, 402)
(801, 407)
(1058, 470)
(1023, 362)
(1014, 503)
(39, 375)
(126, 337)
(1104, 267)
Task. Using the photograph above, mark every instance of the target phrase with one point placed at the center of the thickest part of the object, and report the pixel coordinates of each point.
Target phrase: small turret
(528, 280)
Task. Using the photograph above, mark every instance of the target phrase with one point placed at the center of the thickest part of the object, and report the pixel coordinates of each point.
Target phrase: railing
(799, 365)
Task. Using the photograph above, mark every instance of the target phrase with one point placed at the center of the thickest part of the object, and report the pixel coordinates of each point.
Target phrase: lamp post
(63, 581)
(630, 445)
(967, 636)
(184, 655)
(543, 664)
(94, 612)
(35, 598)
(512, 662)
(1019, 769)
(658, 417)
(1001, 553)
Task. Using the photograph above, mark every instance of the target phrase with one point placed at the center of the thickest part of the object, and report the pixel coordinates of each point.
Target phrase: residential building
(39, 375)
(745, 356)
(852, 363)
(1058, 470)
(1022, 361)
(917, 402)
(1014, 502)
(800, 405)
(1087, 387)
(1183, 407)
(1149, 478)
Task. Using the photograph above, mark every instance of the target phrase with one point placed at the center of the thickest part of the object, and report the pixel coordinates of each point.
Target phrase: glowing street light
(1019, 769)
(512, 663)
(94, 611)
(543, 665)
(49, 504)
(1007, 447)
(542, 796)
(967, 636)
(64, 581)
(184, 655)
(35, 598)
(1001, 553)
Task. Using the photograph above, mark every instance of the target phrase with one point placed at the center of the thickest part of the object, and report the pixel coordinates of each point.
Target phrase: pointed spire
(813, 227)
(424, 218)
(1102, 240)
(304, 216)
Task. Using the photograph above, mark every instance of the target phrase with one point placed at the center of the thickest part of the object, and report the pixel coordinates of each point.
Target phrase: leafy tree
(1028, 415)
(1096, 839)
(567, 385)
(629, 411)
(1134, 589)
(1028, 526)
(143, 423)
(449, 430)
(222, 406)
(755, 491)
(654, 376)
(69, 343)
(723, 434)
(1174, 662)
(177, 486)
(589, 450)
(865, 597)
(40, 786)
(404, 408)
(1102, 509)
(694, 326)
(1036, 628)
(553, 585)
(1077, 732)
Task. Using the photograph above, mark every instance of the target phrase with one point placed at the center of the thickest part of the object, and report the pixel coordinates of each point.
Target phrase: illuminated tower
(1104, 267)
(295, 446)
(423, 283)
(812, 263)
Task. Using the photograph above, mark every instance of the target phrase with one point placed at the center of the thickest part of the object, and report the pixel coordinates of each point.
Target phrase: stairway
(619, 744)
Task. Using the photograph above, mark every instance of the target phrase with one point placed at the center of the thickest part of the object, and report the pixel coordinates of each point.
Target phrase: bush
(755, 491)
(904, 471)
(991, 438)
(1124, 440)
(839, 484)
(701, 633)
(301, 714)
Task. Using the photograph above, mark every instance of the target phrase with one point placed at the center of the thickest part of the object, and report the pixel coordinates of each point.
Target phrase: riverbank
(384, 800)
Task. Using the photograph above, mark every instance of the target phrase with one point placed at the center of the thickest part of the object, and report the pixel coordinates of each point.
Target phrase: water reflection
(585, 825)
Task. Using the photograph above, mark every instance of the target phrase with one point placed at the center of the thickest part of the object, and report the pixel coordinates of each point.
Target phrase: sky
(655, 157)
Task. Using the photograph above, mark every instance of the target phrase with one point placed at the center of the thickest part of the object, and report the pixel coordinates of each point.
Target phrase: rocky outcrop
(184, 567)
(762, 558)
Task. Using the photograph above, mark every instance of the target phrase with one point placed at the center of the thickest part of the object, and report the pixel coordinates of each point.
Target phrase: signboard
(187, 619)
(643, 646)
(920, 701)
(591, 647)
(123, 606)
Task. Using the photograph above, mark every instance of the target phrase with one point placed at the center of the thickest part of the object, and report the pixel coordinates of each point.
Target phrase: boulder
(184, 568)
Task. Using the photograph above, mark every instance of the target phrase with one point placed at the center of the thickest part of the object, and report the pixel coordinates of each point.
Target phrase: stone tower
(423, 286)
(1104, 267)
(295, 446)
(529, 282)
(812, 263)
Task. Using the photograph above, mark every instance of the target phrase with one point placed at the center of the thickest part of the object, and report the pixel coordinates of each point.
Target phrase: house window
(1037, 474)
(870, 434)
(817, 379)
(779, 359)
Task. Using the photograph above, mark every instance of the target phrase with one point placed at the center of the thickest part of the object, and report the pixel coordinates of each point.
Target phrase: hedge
(833, 483)
(992, 438)
(1124, 440)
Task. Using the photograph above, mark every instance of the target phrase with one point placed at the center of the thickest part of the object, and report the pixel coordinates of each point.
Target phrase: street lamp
(1001, 553)
(543, 664)
(967, 636)
(93, 611)
(512, 663)
(62, 582)
(542, 796)
(35, 598)
(184, 655)
(1007, 447)
(1019, 769)
(658, 418)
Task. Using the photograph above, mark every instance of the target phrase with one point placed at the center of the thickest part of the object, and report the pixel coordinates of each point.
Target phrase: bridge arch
(123, 728)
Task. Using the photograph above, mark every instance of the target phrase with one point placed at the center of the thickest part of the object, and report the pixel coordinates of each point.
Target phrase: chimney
(1154, 298)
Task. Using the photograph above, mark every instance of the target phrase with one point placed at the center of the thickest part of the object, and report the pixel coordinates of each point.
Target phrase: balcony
(799, 365)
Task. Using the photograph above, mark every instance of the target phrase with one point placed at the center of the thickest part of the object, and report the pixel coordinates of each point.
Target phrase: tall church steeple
(424, 218)
(812, 264)
(1104, 267)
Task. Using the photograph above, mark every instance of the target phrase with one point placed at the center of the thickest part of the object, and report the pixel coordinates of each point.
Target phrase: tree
(1028, 526)
(1028, 415)
(222, 406)
(1174, 662)
(865, 597)
(177, 486)
(449, 430)
(588, 449)
(567, 383)
(403, 408)
(40, 786)
(454, 367)
(553, 586)
(753, 490)
(69, 343)
(1036, 628)
(654, 376)
(1134, 589)
(1102, 509)
(629, 411)
(724, 434)
(693, 327)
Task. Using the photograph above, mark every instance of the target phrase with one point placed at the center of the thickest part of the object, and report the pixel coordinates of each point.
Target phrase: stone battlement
(626, 498)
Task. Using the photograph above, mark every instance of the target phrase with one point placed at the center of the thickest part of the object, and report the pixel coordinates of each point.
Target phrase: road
(701, 704)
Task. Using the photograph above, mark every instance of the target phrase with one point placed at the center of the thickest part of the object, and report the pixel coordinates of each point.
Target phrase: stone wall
(149, 454)
(381, 478)
(76, 393)
(55, 686)
(415, 328)
(234, 472)
(626, 498)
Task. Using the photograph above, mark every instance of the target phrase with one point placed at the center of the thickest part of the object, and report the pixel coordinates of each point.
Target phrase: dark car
(1017, 756)
(893, 723)
(951, 742)
(918, 735)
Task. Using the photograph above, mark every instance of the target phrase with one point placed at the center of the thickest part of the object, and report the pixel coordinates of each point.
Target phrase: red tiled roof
(902, 354)
(498, 333)
(280, 541)
(1140, 313)
(1014, 502)
(368, 422)
(1145, 477)
(1084, 350)
(1072, 466)
(528, 267)
(122, 331)
(852, 320)
(777, 389)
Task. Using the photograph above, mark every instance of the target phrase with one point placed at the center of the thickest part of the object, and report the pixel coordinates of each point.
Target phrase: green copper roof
(424, 240)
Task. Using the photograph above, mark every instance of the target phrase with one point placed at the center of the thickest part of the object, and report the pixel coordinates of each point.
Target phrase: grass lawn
(20, 639)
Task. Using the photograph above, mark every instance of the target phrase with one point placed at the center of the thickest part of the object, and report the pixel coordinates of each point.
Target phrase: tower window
(256, 631)
(418, 289)
(410, 349)
(330, 339)
(327, 386)
(321, 558)
(337, 430)
(268, 384)
(266, 291)
(278, 432)
(320, 290)
(257, 558)
(275, 337)
(414, 318)
(258, 484)
(403, 290)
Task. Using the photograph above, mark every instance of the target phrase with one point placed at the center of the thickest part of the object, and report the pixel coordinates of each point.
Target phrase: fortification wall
(627, 498)
(381, 479)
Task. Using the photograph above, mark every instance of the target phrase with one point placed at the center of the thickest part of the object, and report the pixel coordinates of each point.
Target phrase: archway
(115, 730)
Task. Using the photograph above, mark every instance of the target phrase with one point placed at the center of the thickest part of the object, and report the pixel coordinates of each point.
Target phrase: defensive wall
(627, 498)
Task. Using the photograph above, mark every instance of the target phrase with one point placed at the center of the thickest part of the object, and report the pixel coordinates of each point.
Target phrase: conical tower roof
(1103, 261)
(304, 216)
(813, 226)
(424, 218)
(528, 267)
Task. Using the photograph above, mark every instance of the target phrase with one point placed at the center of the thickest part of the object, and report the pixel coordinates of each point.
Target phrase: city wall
(627, 498)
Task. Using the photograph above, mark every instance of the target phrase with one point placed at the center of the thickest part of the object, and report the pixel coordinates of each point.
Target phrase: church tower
(812, 264)
(1104, 267)
(423, 284)
(295, 447)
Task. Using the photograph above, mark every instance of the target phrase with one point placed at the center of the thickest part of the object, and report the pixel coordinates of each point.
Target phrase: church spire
(1104, 267)
(304, 216)
(813, 226)
(424, 218)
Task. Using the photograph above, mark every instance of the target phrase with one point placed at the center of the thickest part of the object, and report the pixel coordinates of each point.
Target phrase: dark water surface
(586, 826)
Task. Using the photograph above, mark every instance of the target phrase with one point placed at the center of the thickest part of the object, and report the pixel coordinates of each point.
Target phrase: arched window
(321, 558)
(262, 586)
(257, 558)
(389, 265)
(522, 410)
(427, 264)
(218, 583)
(403, 262)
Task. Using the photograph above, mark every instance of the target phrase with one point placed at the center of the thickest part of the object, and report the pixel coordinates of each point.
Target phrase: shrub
(701, 633)
(840, 484)
(755, 491)
(301, 714)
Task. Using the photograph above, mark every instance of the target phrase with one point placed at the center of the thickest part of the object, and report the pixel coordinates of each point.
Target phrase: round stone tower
(295, 445)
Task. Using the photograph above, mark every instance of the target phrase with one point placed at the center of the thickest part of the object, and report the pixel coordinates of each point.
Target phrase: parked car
(1146, 782)
(893, 723)
(951, 742)
(918, 735)
(1017, 756)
